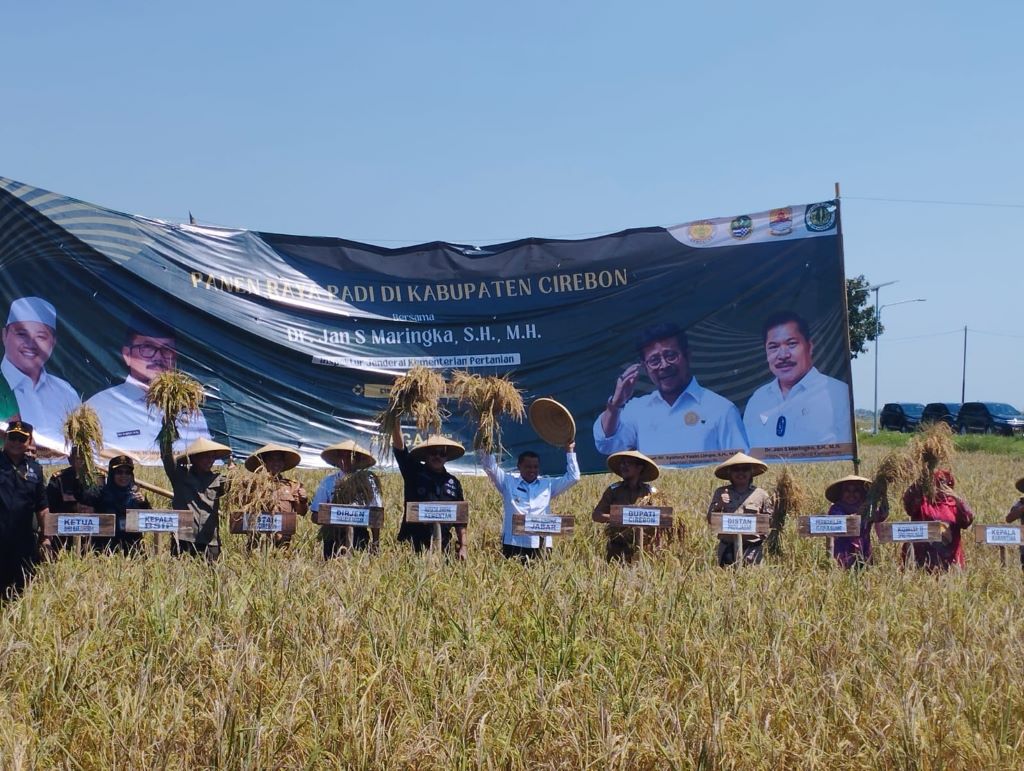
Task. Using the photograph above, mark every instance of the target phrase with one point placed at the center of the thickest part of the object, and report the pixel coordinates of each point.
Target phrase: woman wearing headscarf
(117, 495)
(848, 496)
(940, 504)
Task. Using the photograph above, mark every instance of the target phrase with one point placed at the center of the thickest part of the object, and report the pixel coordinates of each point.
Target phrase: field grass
(279, 660)
(996, 445)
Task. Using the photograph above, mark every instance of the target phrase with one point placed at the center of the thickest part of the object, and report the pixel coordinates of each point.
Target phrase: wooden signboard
(438, 513)
(999, 535)
(828, 526)
(345, 515)
(262, 523)
(79, 524)
(177, 521)
(640, 516)
(524, 524)
(741, 524)
(910, 532)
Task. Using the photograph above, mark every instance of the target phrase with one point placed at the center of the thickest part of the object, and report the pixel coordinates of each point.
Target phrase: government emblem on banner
(781, 221)
(820, 217)
(741, 227)
(701, 232)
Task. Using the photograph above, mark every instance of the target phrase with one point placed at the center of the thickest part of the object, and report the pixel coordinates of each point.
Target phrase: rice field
(278, 660)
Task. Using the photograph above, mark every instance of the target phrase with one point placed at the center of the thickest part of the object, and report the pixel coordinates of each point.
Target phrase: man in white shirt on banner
(149, 349)
(44, 400)
(530, 494)
(680, 416)
(801, 406)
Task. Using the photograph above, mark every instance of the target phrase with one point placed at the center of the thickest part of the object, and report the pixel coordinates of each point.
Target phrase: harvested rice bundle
(83, 432)
(895, 472)
(488, 399)
(248, 492)
(357, 488)
(790, 498)
(177, 396)
(417, 393)
(931, 449)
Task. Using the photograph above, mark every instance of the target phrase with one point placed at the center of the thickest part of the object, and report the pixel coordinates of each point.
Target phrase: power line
(934, 202)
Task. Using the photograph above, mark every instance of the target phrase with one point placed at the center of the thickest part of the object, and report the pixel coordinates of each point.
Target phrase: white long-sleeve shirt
(532, 498)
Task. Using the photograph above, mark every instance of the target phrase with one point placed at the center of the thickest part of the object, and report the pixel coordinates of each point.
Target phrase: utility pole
(963, 382)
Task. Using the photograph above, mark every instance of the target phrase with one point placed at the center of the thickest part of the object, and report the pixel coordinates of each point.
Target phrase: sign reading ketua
(688, 343)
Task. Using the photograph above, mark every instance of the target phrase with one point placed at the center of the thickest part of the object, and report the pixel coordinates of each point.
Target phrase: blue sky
(478, 122)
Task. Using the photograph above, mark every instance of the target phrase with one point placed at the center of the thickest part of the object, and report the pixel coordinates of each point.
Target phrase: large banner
(687, 343)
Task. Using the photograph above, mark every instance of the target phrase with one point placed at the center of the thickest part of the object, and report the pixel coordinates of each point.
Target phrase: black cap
(119, 461)
(19, 427)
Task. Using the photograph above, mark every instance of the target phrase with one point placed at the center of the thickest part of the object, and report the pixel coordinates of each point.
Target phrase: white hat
(33, 309)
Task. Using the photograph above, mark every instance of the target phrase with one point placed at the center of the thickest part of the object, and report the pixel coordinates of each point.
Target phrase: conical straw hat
(453, 448)
(834, 490)
(740, 459)
(199, 446)
(361, 457)
(253, 461)
(552, 422)
(650, 472)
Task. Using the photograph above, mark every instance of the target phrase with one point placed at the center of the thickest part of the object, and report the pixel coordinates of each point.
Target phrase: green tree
(862, 315)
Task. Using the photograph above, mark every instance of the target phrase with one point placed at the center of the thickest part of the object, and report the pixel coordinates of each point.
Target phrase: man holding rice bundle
(426, 480)
(529, 494)
(290, 496)
(197, 488)
(363, 489)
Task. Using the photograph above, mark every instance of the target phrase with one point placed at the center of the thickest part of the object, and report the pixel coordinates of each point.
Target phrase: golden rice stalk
(417, 394)
(356, 489)
(931, 449)
(177, 396)
(248, 492)
(790, 498)
(488, 400)
(896, 472)
(82, 430)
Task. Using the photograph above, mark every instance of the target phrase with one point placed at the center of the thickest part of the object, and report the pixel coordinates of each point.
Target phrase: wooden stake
(350, 538)
(435, 543)
(739, 551)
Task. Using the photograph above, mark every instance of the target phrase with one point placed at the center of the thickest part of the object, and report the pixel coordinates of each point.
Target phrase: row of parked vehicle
(966, 418)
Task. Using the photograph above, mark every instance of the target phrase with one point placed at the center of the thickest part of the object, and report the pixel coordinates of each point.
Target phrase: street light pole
(878, 316)
(878, 312)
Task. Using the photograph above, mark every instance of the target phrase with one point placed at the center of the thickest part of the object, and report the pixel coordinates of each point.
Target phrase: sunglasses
(17, 438)
(437, 453)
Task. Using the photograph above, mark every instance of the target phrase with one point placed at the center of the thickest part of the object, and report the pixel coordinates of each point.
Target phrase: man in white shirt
(801, 406)
(130, 425)
(679, 417)
(529, 493)
(44, 400)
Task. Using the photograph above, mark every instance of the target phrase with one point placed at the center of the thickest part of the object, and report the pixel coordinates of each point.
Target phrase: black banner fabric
(687, 343)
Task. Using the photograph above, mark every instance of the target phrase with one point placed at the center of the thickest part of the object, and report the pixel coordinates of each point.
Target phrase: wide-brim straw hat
(650, 472)
(253, 461)
(200, 446)
(552, 422)
(361, 457)
(740, 459)
(835, 490)
(453, 449)
(1020, 485)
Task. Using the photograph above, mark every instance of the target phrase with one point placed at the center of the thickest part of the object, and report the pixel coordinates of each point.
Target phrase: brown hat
(650, 472)
(452, 448)
(200, 446)
(1020, 485)
(740, 459)
(835, 490)
(255, 460)
(361, 457)
(552, 422)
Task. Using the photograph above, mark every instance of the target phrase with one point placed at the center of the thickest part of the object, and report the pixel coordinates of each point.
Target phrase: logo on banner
(781, 221)
(741, 227)
(820, 217)
(701, 232)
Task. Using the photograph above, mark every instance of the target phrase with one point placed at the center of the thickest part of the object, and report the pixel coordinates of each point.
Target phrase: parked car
(900, 416)
(990, 418)
(946, 411)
